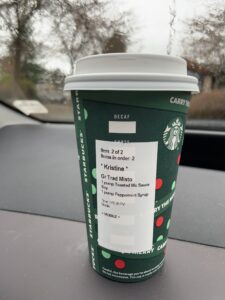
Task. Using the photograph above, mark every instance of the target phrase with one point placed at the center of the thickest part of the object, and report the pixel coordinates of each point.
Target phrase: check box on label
(122, 126)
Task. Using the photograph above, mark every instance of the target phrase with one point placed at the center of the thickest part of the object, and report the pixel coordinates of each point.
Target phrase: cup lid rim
(131, 69)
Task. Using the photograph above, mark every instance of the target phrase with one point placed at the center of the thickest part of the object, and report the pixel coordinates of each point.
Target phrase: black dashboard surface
(46, 258)
(40, 175)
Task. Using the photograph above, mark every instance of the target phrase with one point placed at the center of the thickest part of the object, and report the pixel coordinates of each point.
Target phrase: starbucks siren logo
(173, 134)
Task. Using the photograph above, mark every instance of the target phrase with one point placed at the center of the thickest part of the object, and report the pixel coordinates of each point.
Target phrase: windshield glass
(41, 40)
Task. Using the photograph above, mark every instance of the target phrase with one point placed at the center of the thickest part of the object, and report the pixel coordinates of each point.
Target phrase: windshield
(41, 40)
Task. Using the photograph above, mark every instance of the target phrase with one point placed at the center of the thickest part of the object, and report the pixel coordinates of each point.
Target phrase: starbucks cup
(129, 113)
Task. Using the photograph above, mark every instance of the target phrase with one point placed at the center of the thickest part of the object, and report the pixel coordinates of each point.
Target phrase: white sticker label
(29, 107)
(122, 127)
(126, 175)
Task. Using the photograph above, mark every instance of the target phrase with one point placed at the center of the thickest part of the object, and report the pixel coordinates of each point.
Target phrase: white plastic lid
(122, 71)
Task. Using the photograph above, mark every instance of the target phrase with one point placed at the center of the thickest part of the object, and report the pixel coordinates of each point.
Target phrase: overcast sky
(151, 20)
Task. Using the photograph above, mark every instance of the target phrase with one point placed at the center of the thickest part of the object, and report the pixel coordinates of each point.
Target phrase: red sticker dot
(159, 183)
(178, 159)
(159, 221)
(120, 264)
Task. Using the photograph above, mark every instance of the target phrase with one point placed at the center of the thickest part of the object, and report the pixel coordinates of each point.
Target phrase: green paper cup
(129, 113)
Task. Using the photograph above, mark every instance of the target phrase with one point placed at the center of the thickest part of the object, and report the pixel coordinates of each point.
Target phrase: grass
(209, 105)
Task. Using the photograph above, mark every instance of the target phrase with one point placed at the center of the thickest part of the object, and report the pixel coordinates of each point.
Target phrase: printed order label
(126, 176)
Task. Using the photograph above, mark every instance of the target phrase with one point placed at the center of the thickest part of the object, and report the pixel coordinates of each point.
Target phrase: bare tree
(83, 28)
(16, 18)
(205, 41)
(116, 43)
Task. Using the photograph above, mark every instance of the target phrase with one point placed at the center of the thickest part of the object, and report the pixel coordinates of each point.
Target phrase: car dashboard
(43, 252)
